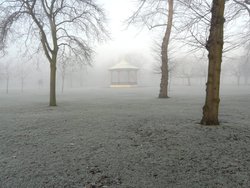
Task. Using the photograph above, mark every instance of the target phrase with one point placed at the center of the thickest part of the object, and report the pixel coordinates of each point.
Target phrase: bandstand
(123, 74)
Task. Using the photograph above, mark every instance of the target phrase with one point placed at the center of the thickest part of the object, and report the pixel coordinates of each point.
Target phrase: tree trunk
(189, 81)
(7, 85)
(164, 53)
(71, 79)
(246, 80)
(215, 48)
(52, 101)
(238, 80)
(63, 78)
(22, 84)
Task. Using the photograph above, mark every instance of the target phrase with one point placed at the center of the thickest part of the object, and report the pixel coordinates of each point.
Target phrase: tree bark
(164, 53)
(215, 48)
(52, 101)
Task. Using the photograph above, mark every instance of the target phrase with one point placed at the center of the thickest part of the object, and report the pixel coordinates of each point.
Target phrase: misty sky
(123, 39)
(126, 40)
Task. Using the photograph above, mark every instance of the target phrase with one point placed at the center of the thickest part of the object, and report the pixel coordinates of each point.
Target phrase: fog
(100, 135)
(22, 72)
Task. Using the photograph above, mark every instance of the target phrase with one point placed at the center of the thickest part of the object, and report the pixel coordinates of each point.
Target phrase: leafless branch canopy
(194, 23)
(67, 25)
(245, 5)
(150, 13)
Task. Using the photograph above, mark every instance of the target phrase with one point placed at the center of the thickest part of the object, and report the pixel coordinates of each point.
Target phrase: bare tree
(164, 53)
(172, 63)
(149, 13)
(206, 31)
(246, 71)
(68, 24)
(63, 68)
(194, 24)
(199, 69)
(64, 62)
(215, 48)
(68, 64)
(22, 73)
(235, 68)
(241, 69)
(82, 74)
(6, 73)
(187, 74)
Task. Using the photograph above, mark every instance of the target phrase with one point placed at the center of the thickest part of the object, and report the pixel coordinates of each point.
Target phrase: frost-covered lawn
(123, 138)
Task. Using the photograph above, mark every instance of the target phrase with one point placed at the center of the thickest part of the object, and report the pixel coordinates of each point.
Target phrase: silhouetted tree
(6, 73)
(215, 47)
(149, 13)
(22, 71)
(206, 30)
(71, 24)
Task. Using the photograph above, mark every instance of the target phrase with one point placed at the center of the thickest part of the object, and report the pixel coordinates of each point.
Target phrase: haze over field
(132, 43)
(124, 94)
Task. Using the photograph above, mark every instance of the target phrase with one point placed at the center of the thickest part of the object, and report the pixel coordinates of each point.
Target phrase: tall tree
(22, 72)
(210, 31)
(149, 13)
(164, 52)
(215, 48)
(62, 68)
(6, 72)
(70, 24)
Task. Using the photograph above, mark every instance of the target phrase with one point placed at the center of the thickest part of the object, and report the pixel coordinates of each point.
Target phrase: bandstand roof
(123, 65)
